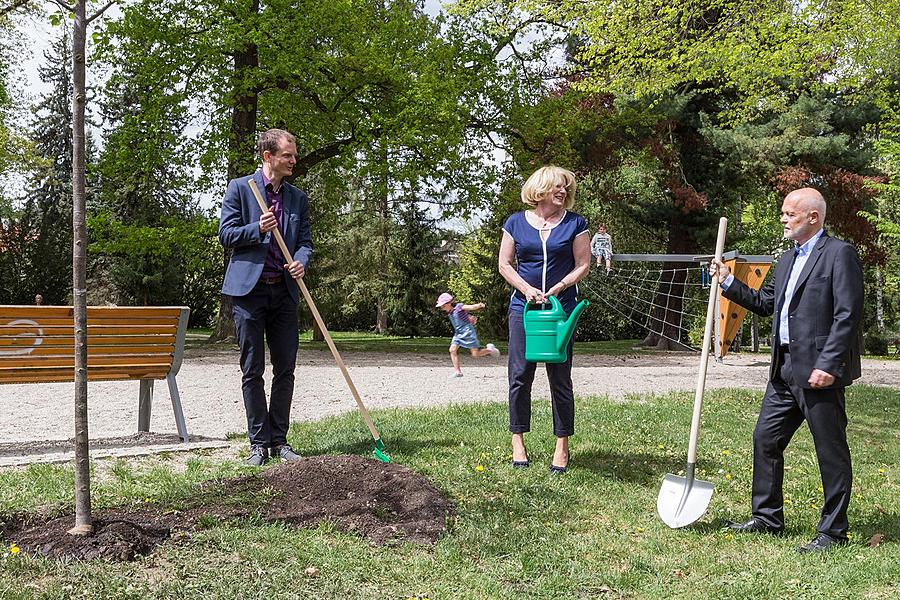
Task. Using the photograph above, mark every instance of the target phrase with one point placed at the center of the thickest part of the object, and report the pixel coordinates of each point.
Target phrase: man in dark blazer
(816, 299)
(265, 297)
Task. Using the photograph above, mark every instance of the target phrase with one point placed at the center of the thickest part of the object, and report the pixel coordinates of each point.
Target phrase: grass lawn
(354, 341)
(517, 534)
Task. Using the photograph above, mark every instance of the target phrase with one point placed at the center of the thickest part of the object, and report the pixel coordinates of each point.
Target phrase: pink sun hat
(443, 299)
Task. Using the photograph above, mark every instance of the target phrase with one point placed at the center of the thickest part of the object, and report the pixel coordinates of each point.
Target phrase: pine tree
(45, 228)
(417, 274)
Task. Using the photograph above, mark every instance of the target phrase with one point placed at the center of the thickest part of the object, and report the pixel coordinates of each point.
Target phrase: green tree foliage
(355, 81)
(150, 241)
(417, 273)
(654, 91)
(43, 259)
(173, 262)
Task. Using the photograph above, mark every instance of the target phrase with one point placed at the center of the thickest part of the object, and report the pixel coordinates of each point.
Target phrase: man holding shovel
(816, 299)
(260, 278)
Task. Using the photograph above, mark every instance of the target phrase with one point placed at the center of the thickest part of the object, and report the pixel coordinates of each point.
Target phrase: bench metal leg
(176, 407)
(145, 404)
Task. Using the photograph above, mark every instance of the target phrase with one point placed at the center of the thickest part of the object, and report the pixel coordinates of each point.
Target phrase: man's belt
(271, 280)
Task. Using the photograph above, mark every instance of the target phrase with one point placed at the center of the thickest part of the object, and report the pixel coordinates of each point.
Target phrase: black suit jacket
(825, 314)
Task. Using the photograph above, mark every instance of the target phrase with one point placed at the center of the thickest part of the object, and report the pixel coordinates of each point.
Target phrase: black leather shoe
(554, 470)
(754, 525)
(821, 543)
(520, 464)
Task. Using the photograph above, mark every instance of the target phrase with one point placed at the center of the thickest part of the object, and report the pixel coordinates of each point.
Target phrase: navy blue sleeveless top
(543, 263)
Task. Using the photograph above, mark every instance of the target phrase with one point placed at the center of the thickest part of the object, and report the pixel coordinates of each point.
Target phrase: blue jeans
(521, 376)
(267, 311)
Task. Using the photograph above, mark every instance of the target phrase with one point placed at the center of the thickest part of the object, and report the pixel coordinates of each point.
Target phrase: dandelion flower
(14, 549)
(479, 468)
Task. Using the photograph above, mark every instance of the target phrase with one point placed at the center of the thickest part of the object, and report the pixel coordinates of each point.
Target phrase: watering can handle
(554, 301)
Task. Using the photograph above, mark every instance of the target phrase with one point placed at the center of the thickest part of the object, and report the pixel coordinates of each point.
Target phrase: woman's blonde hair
(542, 182)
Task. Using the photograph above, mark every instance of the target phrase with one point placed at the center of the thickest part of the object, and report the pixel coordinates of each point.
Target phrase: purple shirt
(274, 265)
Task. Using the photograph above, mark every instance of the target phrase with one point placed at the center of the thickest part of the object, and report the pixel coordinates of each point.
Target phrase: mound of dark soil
(383, 502)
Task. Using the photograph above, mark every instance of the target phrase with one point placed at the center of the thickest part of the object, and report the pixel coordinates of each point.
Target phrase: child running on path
(463, 331)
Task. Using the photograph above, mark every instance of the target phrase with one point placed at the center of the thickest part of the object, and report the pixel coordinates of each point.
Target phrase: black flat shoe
(754, 525)
(821, 543)
(519, 464)
(554, 470)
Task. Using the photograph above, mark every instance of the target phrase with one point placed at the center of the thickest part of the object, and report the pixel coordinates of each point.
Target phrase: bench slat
(40, 312)
(93, 329)
(93, 340)
(126, 360)
(59, 374)
(93, 350)
(46, 323)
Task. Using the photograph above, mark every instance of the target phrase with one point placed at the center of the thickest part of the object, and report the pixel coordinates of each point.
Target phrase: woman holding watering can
(544, 252)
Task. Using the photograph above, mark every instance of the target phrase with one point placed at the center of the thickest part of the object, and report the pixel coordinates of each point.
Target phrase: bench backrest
(37, 343)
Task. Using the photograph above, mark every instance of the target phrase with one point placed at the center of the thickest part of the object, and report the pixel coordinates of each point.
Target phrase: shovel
(683, 500)
(379, 452)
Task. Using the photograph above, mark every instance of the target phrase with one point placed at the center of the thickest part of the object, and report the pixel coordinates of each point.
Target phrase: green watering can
(548, 331)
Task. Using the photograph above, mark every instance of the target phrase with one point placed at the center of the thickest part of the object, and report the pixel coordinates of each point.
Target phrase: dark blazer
(825, 312)
(239, 230)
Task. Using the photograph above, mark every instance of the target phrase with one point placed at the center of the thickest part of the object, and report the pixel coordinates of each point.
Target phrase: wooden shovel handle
(315, 312)
(704, 355)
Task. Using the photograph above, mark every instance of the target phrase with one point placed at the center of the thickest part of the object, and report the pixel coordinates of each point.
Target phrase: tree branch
(16, 5)
(311, 159)
(64, 6)
(100, 11)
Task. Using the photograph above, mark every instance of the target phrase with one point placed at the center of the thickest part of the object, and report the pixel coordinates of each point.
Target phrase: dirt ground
(210, 387)
(384, 503)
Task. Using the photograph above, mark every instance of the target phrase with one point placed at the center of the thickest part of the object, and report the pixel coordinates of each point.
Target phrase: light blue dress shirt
(784, 335)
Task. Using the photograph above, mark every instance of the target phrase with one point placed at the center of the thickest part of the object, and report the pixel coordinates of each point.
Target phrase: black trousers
(521, 376)
(267, 311)
(784, 408)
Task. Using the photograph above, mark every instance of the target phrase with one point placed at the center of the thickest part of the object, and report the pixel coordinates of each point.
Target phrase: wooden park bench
(37, 345)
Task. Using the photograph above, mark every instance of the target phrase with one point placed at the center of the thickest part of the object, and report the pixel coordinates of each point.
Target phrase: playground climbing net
(665, 295)
(669, 302)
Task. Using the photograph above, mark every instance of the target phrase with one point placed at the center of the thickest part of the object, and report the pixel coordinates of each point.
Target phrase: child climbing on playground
(464, 334)
(601, 247)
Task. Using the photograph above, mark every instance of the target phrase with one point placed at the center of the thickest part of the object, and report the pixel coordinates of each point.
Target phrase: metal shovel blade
(682, 500)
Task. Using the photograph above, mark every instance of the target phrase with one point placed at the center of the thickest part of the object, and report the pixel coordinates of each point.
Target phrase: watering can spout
(567, 327)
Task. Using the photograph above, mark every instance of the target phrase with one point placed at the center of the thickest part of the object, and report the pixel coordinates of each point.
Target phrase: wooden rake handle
(704, 355)
(315, 311)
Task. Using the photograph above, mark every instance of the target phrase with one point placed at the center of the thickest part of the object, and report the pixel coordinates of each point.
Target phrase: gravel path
(210, 389)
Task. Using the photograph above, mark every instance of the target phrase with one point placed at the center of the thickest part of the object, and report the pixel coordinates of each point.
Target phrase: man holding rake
(260, 279)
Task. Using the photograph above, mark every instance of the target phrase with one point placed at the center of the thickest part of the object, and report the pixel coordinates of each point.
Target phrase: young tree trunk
(83, 519)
